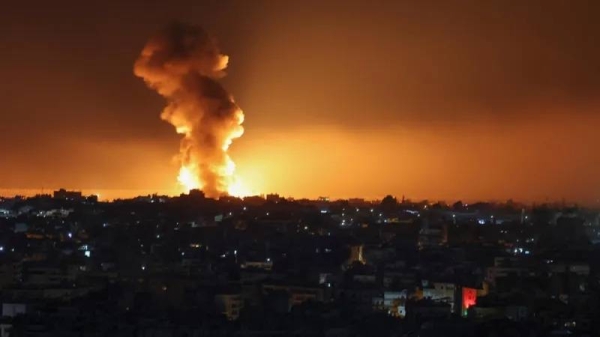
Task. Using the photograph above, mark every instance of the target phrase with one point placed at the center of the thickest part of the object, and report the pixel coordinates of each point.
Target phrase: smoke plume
(183, 63)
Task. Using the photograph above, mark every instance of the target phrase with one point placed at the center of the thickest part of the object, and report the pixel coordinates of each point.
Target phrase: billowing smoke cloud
(183, 63)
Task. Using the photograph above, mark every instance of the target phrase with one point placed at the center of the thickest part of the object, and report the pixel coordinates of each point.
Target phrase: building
(229, 305)
(457, 296)
(392, 302)
(13, 309)
(298, 294)
(68, 195)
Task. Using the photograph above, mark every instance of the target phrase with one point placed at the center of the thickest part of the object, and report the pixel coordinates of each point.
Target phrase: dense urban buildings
(270, 266)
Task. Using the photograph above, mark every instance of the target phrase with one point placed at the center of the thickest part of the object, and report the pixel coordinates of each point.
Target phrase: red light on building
(469, 297)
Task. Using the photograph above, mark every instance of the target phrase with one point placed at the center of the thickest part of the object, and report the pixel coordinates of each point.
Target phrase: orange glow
(238, 189)
(430, 102)
(435, 163)
(467, 162)
(188, 178)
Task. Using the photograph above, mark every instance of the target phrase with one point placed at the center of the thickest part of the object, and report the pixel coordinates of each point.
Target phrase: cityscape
(291, 168)
(269, 266)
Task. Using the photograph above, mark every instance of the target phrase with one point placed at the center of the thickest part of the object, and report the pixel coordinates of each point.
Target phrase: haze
(457, 100)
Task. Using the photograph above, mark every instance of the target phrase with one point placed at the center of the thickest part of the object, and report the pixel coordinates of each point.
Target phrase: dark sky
(468, 99)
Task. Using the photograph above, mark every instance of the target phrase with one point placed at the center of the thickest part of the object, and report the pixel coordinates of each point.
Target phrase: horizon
(110, 195)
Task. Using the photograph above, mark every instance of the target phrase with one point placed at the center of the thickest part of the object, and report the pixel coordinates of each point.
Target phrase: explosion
(183, 63)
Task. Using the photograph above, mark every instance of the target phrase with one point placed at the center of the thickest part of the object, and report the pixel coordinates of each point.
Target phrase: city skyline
(115, 195)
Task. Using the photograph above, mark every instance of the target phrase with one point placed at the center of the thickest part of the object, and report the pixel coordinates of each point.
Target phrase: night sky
(453, 100)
